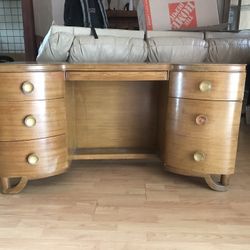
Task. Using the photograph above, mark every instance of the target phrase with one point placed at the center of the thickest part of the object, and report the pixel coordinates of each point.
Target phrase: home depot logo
(182, 15)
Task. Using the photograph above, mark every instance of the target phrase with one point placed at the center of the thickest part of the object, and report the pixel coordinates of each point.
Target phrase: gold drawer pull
(32, 159)
(199, 156)
(27, 87)
(29, 121)
(205, 86)
(201, 120)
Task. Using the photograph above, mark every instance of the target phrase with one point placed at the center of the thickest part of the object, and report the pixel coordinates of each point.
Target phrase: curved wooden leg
(225, 180)
(6, 186)
(221, 186)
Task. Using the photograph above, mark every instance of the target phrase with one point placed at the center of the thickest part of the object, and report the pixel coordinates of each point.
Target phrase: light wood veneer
(186, 115)
(224, 85)
(51, 153)
(222, 119)
(47, 85)
(116, 114)
(16, 119)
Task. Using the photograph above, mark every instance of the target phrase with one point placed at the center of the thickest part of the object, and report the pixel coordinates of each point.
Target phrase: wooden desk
(186, 115)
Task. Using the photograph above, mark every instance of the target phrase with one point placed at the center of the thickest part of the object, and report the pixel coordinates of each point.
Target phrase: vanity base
(7, 188)
(186, 116)
(221, 185)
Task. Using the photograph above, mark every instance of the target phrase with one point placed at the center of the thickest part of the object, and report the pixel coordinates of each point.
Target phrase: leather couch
(77, 45)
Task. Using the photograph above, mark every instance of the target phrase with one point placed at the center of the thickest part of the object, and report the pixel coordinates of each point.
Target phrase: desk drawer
(31, 86)
(201, 136)
(200, 156)
(33, 159)
(207, 85)
(32, 119)
(118, 76)
(203, 119)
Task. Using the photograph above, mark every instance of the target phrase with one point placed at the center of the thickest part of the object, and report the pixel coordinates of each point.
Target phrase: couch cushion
(228, 50)
(225, 35)
(105, 49)
(177, 50)
(55, 46)
(77, 45)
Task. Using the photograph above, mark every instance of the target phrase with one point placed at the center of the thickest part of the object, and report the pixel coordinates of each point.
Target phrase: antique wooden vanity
(188, 116)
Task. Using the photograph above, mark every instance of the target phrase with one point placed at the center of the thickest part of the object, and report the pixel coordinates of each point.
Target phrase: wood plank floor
(129, 206)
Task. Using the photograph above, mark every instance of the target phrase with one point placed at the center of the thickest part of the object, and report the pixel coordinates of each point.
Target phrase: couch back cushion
(176, 47)
(228, 47)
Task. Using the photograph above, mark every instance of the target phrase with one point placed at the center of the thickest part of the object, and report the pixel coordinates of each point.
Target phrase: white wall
(57, 11)
(45, 13)
(42, 15)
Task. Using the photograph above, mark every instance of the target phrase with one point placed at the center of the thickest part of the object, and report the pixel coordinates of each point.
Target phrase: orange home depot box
(176, 15)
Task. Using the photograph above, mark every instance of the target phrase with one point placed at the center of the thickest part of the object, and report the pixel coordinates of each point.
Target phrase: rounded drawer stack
(203, 119)
(33, 125)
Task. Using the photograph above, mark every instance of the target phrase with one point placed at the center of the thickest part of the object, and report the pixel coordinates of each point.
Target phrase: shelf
(122, 19)
(121, 13)
(114, 154)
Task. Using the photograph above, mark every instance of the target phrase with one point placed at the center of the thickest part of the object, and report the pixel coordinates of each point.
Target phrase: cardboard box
(177, 14)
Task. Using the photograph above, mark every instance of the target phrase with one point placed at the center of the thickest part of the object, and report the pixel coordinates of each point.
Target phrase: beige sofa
(198, 47)
(77, 45)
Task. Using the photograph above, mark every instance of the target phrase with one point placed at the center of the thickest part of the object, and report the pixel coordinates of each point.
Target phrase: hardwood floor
(129, 205)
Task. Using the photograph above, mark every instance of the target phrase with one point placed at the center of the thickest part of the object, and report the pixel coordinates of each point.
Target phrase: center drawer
(32, 119)
(207, 85)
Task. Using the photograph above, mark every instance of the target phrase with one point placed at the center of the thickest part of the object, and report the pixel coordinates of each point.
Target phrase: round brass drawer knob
(199, 156)
(27, 87)
(32, 159)
(29, 121)
(205, 86)
(201, 120)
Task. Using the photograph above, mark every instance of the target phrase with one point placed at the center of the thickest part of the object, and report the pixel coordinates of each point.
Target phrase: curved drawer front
(33, 159)
(202, 136)
(200, 156)
(207, 85)
(203, 119)
(31, 86)
(32, 120)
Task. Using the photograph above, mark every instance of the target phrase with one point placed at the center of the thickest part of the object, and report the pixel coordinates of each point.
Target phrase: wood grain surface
(47, 85)
(224, 86)
(52, 154)
(35, 67)
(114, 154)
(50, 117)
(222, 123)
(211, 67)
(117, 76)
(122, 106)
(116, 114)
